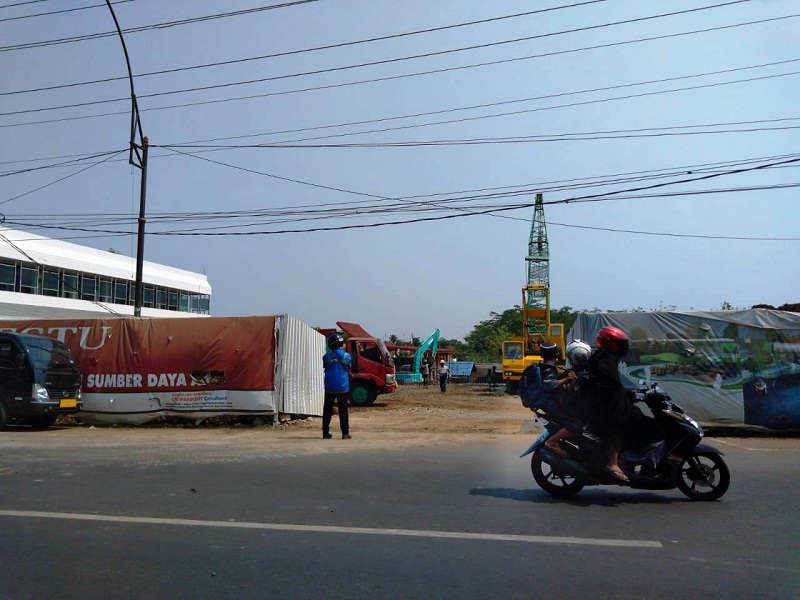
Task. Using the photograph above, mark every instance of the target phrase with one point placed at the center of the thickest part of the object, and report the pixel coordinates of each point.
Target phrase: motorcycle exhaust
(564, 465)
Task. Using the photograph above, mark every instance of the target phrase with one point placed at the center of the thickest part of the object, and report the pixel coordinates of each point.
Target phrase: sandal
(557, 449)
(618, 474)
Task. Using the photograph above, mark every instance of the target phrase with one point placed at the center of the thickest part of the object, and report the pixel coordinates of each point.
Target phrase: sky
(376, 161)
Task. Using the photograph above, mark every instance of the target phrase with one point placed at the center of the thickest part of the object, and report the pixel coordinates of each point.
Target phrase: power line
(541, 138)
(313, 49)
(497, 191)
(500, 103)
(605, 196)
(553, 137)
(58, 12)
(472, 213)
(416, 74)
(675, 235)
(97, 36)
(68, 163)
(507, 113)
(23, 3)
(372, 63)
(61, 179)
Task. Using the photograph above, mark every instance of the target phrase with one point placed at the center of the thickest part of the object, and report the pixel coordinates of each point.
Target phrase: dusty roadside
(412, 416)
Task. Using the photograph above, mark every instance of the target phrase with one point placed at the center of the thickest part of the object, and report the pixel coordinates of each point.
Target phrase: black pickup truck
(39, 380)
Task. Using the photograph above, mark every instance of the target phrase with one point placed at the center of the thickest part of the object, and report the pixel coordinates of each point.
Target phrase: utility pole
(138, 158)
(137, 301)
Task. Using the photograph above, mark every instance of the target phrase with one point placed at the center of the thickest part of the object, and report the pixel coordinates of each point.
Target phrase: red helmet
(612, 340)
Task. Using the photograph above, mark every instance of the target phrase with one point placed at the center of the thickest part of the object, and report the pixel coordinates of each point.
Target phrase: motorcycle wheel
(552, 482)
(704, 476)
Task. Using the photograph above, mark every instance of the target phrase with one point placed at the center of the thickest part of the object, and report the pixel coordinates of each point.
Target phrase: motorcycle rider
(606, 402)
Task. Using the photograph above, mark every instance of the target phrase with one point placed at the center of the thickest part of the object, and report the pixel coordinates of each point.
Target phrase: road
(258, 513)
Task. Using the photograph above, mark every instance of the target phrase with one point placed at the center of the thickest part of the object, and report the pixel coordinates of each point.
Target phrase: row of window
(61, 283)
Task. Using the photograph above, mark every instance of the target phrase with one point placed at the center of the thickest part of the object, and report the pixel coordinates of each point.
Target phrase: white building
(46, 278)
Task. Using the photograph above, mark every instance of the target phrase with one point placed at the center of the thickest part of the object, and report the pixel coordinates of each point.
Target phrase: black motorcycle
(676, 458)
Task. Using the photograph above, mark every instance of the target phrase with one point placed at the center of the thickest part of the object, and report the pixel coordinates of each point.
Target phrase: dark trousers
(340, 399)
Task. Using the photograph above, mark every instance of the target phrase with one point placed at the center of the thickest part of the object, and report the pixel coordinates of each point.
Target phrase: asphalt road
(254, 515)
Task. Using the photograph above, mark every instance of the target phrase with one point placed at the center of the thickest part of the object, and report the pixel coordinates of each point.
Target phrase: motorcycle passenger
(565, 409)
(606, 402)
(556, 388)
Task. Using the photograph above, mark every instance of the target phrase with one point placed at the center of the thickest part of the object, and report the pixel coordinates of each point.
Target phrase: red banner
(183, 354)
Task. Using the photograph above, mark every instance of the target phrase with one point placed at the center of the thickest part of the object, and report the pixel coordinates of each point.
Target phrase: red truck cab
(372, 368)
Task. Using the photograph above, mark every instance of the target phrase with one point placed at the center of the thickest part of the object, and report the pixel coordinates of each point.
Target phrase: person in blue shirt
(336, 363)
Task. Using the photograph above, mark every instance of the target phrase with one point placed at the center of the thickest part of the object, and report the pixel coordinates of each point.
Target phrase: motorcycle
(677, 458)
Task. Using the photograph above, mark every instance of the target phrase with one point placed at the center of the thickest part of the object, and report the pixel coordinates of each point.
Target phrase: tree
(486, 338)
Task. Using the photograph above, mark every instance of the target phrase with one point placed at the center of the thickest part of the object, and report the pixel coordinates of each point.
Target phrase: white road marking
(459, 535)
(742, 447)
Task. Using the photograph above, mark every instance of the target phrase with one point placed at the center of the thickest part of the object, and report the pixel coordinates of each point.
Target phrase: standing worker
(336, 363)
(424, 370)
(444, 375)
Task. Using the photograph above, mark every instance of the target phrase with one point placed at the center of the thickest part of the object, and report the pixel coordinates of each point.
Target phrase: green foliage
(486, 338)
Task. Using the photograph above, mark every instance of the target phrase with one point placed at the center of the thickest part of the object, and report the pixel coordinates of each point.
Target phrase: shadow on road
(590, 498)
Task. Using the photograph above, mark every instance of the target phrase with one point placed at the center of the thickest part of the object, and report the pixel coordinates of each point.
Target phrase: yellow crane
(521, 351)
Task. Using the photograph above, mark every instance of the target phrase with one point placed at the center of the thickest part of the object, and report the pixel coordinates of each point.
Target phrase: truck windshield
(47, 353)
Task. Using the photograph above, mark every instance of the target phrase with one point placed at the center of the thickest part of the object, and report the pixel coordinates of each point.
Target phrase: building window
(121, 292)
(70, 285)
(204, 304)
(8, 275)
(172, 300)
(184, 302)
(88, 287)
(148, 297)
(50, 280)
(104, 290)
(161, 298)
(28, 280)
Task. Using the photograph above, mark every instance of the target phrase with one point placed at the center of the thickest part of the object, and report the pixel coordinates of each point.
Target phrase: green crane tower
(536, 294)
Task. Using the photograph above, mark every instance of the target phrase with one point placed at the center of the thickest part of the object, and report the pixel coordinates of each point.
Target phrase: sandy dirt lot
(412, 416)
(462, 409)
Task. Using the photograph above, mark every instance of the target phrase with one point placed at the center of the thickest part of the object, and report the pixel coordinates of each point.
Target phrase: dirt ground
(410, 417)
(412, 408)
(462, 409)
(413, 414)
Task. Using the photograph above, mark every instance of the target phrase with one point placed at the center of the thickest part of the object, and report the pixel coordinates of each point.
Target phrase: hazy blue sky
(643, 112)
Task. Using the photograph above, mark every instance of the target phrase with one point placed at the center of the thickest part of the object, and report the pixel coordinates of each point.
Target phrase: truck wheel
(41, 422)
(361, 394)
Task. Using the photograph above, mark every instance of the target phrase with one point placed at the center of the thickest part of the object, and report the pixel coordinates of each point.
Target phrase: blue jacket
(337, 366)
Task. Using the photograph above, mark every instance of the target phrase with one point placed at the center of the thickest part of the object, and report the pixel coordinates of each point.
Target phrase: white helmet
(578, 353)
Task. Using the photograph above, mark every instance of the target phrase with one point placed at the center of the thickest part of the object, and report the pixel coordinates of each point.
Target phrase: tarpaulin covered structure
(732, 367)
(137, 369)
